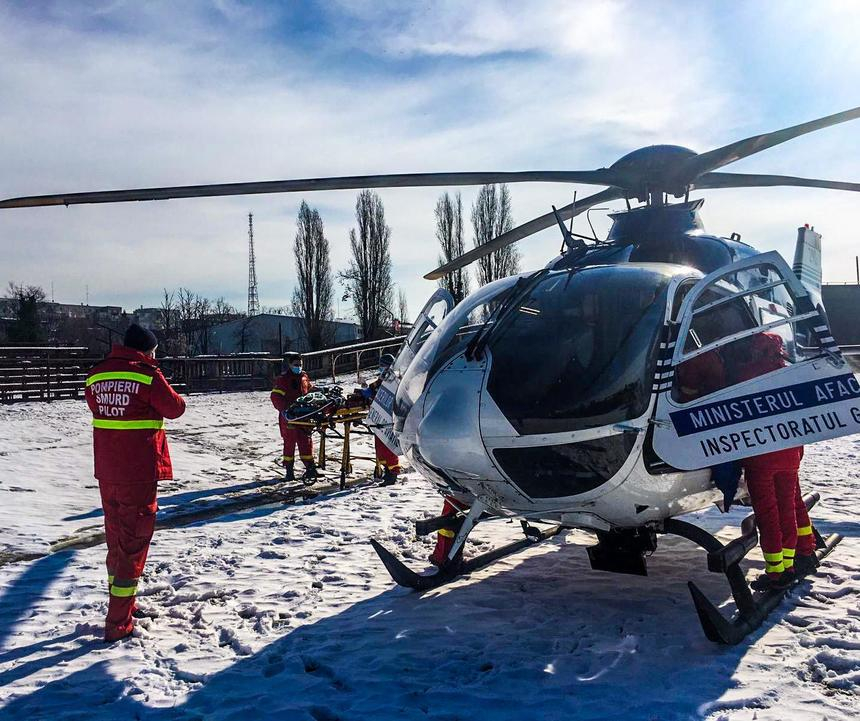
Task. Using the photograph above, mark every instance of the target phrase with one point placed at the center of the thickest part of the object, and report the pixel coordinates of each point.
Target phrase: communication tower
(253, 299)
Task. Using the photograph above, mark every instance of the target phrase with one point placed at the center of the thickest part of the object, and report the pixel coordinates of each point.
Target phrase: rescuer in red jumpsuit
(445, 537)
(386, 459)
(129, 399)
(773, 483)
(291, 385)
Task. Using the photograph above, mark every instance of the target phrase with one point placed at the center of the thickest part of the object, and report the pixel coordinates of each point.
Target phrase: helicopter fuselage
(537, 393)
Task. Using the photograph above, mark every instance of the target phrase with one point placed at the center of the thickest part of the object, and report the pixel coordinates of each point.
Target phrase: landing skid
(731, 632)
(457, 567)
(624, 554)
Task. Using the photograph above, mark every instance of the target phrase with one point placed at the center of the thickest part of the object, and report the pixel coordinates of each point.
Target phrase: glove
(726, 477)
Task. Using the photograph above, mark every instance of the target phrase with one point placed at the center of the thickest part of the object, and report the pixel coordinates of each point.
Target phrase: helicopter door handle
(627, 428)
(660, 423)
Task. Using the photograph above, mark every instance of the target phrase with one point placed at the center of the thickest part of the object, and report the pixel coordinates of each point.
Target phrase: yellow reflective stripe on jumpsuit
(127, 425)
(120, 376)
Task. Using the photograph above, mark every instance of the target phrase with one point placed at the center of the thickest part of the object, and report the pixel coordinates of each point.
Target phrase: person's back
(773, 479)
(129, 399)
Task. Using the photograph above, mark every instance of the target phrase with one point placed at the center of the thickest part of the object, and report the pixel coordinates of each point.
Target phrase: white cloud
(136, 94)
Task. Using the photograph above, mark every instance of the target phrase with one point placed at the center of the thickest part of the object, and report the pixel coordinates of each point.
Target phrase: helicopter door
(380, 418)
(753, 368)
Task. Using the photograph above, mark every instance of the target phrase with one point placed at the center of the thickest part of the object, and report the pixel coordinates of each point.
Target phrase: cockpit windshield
(446, 341)
(579, 351)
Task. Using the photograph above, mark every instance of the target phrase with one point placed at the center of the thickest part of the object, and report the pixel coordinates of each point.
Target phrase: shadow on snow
(545, 638)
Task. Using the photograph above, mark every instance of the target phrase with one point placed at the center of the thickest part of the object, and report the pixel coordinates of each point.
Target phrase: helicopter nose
(448, 434)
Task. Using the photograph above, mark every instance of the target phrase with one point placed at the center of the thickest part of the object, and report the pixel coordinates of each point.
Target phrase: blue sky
(111, 94)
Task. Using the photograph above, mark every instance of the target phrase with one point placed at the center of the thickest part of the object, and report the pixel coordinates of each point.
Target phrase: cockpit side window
(742, 325)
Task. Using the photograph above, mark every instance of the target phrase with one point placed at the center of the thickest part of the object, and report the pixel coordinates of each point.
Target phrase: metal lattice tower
(253, 299)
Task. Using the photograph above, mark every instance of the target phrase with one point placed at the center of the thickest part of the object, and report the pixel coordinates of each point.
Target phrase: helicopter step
(456, 566)
(752, 609)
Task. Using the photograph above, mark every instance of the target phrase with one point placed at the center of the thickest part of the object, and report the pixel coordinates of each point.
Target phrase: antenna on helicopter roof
(571, 242)
(572, 212)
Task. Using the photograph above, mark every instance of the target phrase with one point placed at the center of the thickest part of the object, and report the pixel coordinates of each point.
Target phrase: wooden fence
(48, 373)
(42, 373)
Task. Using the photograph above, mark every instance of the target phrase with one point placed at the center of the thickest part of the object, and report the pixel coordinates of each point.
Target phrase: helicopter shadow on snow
(541, 637)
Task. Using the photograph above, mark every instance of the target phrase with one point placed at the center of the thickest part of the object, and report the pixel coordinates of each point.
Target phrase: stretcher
(342, 423)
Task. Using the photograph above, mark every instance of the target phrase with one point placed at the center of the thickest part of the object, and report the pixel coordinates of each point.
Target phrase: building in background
(842, 303)
(269, 333)
(151, 318)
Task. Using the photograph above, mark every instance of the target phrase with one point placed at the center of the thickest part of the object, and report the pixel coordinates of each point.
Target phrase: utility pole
(253, 299)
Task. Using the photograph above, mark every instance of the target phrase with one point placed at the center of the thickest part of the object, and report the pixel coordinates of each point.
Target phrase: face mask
(296, 369)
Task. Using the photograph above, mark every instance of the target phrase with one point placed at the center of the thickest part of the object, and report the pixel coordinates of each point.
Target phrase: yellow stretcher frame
(348, 418)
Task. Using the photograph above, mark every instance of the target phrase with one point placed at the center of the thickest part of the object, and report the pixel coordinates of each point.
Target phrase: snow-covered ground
(284, 611)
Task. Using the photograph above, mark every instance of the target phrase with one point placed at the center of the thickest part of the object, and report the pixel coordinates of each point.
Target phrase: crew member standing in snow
(773, 483)
(386, 459)
(129, 399)
(291, 385)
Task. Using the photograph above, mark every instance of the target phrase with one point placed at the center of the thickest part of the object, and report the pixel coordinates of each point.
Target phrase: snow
(284, 611)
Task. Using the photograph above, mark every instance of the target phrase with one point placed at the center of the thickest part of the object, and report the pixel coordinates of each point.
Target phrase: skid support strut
(752, 609)
(456, 566)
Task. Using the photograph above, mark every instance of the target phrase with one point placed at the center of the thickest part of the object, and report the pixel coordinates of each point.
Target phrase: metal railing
(348, 358)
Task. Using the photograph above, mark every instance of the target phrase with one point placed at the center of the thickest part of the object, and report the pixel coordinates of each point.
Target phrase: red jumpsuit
(772, 478)
(129, 399)
(701, 375)
(386, 459)
(289, 387)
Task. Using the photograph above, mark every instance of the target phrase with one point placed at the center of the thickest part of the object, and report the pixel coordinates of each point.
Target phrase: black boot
(767, 583)
(804, 565)
(389, 478)
(289, 474)
(311, 474)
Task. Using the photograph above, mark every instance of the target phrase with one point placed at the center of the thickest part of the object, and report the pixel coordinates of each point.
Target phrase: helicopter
(603, 437)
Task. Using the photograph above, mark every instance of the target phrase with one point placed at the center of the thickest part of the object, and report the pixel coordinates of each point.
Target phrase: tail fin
(807, 258)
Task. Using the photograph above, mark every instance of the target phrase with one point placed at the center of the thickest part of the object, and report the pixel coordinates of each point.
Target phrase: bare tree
(244, 332)
(368, 278)
(203, 322)
(186, 313)
(168, 322)
(222, 311)
(449, 233)
(402, 307)
(27, 327)
(491, 216)
(312, 298)
(273, 310)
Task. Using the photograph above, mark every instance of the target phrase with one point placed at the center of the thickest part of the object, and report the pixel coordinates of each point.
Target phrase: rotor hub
(653, 170)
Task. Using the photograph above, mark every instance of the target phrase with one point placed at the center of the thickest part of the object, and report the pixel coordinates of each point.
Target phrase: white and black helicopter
(603, 439)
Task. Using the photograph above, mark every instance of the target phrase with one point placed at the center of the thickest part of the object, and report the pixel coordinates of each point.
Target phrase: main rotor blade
(524, 230)
(742, 180)
(402, 180)
(719, 157)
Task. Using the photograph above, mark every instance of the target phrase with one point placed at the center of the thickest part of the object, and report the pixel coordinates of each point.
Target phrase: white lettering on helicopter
(742, 409)
(757, 406)
(775, 433)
